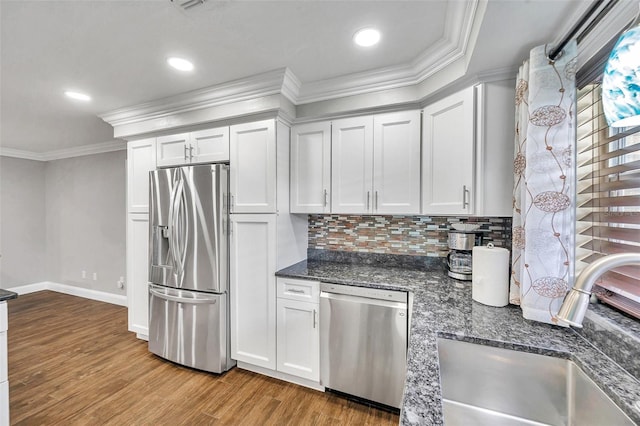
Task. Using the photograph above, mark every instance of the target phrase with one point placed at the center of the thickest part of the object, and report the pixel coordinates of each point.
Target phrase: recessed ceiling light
(180, 64)
(77, 96)
(366, 37)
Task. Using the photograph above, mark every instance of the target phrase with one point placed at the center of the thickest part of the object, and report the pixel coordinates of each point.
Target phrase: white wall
(85, 220)
(22, 222)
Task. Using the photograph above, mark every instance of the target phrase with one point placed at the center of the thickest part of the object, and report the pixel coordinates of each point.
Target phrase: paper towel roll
(490, 275)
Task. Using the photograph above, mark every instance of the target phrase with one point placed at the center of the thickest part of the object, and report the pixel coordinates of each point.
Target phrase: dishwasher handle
(361, 299)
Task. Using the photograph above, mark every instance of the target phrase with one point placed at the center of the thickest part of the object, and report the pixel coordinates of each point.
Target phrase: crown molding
(461, 16)
(256, 86)
(19, 153)
(59, 154)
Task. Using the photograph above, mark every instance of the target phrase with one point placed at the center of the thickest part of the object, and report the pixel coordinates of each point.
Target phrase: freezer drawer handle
(181, 299)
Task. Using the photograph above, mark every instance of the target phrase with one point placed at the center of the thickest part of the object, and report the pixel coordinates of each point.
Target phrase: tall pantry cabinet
(141, 159)
(264, 237)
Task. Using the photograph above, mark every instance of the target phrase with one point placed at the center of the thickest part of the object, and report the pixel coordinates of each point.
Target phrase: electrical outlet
(120, 283)
(95, 276)
(84, 274)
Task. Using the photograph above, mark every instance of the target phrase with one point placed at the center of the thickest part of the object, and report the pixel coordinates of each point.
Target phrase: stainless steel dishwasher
(363, 342)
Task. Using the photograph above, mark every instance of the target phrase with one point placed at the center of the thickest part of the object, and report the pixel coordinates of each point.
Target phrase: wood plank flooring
(73, 362)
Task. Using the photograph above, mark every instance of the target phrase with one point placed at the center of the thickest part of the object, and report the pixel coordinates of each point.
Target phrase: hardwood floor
(73, 362)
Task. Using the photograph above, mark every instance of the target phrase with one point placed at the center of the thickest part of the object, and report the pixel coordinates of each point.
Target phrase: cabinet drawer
(3, 356)
(4, 323)
(294, 289)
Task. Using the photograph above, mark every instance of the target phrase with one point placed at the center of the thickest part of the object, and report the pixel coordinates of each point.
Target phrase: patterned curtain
(543, 195)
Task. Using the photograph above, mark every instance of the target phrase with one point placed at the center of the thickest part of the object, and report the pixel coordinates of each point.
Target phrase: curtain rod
(553, 55)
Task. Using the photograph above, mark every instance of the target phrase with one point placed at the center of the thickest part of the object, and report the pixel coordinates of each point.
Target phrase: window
(608, 199)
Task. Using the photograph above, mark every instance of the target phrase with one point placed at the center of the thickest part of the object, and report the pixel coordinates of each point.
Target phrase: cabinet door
(141, 159)
(253, 167)
(352, 165)
(494, 148)
(211, 145)
(298, 339)
(173, 150)
(396, 163)
(253, 289)
(138, 273)
(4, 403)
(311, 168)
(448, 155)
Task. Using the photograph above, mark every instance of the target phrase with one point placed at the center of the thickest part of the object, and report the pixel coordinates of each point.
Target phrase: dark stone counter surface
(443, 307)
(7, 295)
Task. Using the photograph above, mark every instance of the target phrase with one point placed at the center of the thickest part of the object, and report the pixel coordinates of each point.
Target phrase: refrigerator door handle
(182, 228)
(171, 230)
(188, 300)
(176, 241)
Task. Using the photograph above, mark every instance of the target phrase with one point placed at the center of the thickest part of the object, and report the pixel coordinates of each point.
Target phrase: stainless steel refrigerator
(189, 266)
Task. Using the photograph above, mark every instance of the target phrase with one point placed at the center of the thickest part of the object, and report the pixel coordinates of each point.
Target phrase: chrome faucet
(575, 303)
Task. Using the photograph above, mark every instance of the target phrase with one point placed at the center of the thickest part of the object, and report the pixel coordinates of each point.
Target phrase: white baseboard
(101, 296)
(282, 376)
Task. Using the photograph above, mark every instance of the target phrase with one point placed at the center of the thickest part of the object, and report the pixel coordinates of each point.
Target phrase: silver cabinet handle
(465, 200)
(314, 318)
(376, 200)
(231, 202)
(325, 198)
(368, 197)
(186, 148)
(190, 152)
(295, 290)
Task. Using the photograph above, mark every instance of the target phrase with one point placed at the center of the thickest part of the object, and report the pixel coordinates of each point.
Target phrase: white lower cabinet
(253, 289)
(4, 404)
(298, 349)
(138, 273)
(4, 376)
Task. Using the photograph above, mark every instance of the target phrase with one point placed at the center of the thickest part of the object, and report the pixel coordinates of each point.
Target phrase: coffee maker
(461, 244)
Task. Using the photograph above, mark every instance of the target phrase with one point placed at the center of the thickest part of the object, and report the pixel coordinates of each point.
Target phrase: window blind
(608, 199)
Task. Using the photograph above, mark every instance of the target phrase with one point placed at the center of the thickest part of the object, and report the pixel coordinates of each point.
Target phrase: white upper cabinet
(141, 159)
(376, 164)
(311, 168)
(173, 149)
(352, 165)
(253, 167)
(495, 132)
(448, 155)
(203, 146)
(210, 145)
(396, 163)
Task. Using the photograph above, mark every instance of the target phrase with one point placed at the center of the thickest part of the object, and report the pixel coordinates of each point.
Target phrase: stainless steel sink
(484, 385)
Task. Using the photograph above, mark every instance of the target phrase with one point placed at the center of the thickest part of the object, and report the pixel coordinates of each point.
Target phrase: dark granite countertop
(443, 307)
(7, 295)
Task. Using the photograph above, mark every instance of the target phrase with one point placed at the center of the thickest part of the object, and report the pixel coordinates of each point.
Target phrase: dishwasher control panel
(372, 293)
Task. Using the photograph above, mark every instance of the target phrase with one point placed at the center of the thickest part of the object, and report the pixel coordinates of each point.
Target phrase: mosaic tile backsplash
(403, 235)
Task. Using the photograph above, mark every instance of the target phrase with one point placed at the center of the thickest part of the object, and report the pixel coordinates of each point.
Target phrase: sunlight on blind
(608, 199)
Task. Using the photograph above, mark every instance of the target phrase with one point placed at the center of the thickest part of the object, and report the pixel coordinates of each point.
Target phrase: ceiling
(116, 51)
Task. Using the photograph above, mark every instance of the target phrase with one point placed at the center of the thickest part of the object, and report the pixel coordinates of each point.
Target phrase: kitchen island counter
(443, 307)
